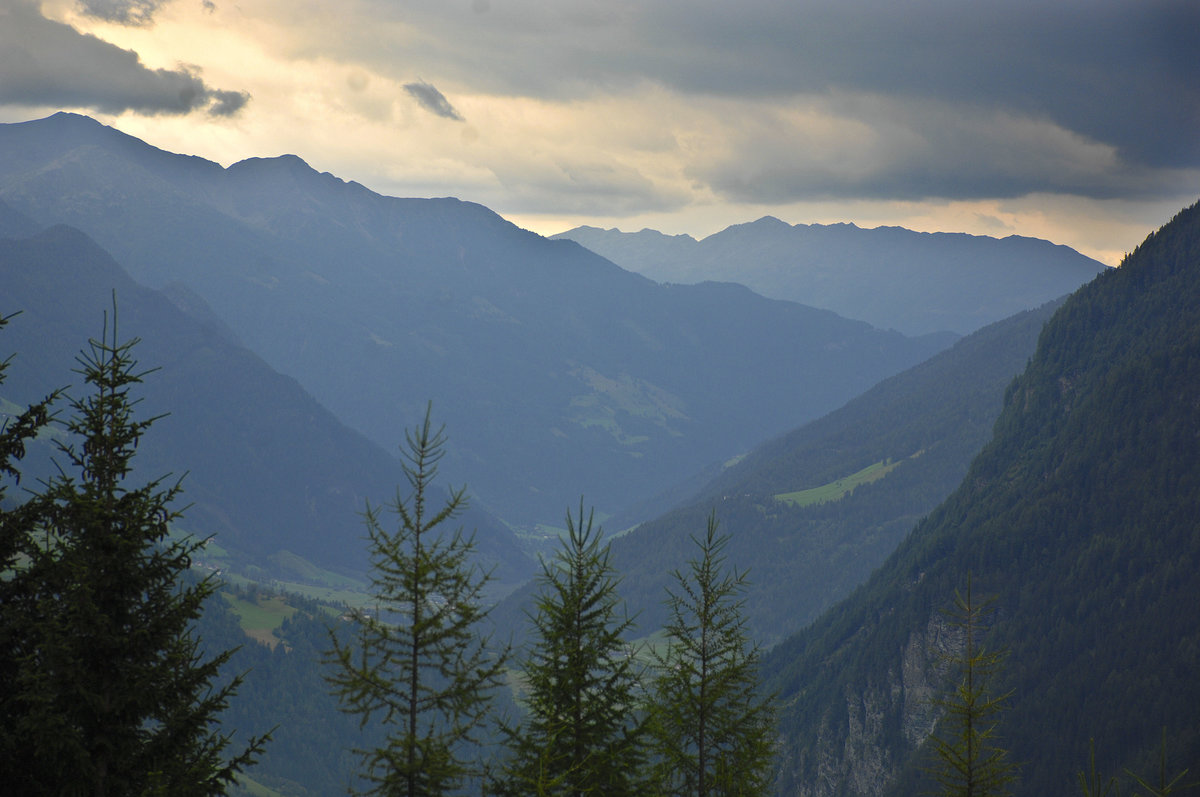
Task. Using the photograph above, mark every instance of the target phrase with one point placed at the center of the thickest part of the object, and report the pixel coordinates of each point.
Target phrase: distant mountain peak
(646, 233)
(67, 117)
(287, 166)
(286, 162)
(891, 277)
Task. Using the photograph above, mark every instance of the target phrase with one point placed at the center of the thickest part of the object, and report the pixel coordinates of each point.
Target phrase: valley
(294, 326)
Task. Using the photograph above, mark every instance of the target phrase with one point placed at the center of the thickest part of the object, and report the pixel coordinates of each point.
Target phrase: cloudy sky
(1073, 120)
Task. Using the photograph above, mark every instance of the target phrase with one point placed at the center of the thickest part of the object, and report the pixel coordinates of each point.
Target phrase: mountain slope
(557, 372)
(915, 433)
(268, 468)
(1080, 518)
(889, 277)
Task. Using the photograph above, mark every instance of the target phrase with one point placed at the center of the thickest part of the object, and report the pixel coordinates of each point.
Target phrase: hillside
(1079, 517)
(557, 373)
(890, 277)
(269, 470)
(914, 434)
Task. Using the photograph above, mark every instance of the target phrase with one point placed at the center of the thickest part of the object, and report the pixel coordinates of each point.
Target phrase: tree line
(109, 690)
(600, 716)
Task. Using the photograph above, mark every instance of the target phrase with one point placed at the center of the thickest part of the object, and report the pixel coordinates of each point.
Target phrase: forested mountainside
(268, 470)
(813, 512)
(890, 277)
(1079, 519)
(556, 372)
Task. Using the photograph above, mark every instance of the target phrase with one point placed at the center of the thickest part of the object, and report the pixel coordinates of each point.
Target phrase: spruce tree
(16, 521)
(712, 730)
(19, 523)
(581, 733)
(418, 663)
(111, 694)
(969, 762)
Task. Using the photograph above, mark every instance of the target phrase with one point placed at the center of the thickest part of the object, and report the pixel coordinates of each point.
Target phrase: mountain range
(891, 277)
(906, 466)
(556, 372)
(812, 512)
(266, 469)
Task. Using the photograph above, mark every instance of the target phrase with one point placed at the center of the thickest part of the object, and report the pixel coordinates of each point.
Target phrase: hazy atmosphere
(1075, 122)
(772, 398)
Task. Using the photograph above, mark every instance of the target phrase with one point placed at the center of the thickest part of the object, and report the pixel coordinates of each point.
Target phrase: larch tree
(968, 759)
(582, 733)
(110, 692)
(713, 732)
(418, 663)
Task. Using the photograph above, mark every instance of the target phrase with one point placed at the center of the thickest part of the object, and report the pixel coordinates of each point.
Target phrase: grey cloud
(46, 63)
(432, 100)
(124, 12)
(922, 150)
(584, 188)
(228, 103)
(1117, 73)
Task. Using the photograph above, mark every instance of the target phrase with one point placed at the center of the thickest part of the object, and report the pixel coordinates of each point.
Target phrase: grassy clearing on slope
(837, 490)
(261, 617)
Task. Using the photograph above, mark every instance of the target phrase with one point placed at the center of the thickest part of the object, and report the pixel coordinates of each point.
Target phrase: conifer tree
(1165, 785)
(418, 663)
(712, 730)
(111, 694)
(581, 733)
(18, 539)
(16, 523)
(1091, 783)
(969, 761)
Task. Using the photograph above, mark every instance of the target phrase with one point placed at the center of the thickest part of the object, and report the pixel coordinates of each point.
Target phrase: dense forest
(1079, 518)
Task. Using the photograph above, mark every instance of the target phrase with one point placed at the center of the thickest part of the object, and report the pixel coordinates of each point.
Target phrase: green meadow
(837, 490)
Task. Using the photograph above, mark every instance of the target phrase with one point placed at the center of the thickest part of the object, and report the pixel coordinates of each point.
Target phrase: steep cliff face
(857, 752)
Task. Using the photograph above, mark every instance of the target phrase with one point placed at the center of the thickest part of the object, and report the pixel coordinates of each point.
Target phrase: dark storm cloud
(124, 12)
(432, 100)
(45, 63)
(227, 103)
(1119, 75)
(1121, 72)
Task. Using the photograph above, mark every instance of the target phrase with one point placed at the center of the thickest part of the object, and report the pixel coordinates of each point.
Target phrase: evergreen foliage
(15, 521)
(109, 691)
(928, 422)
(17, 543)
(581, 734)
(1080, 517)
(1165, 785)
(417, 662)
(969, 763)
(712, 731)
(1091, 782)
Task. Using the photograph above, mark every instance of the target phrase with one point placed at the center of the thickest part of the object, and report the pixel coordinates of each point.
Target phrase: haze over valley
(882, 345)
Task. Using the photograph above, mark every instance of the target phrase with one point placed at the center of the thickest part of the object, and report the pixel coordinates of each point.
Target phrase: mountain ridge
(892, 277)
(1078, 519)
(921, 428)
(269, 469)
(551, 365)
